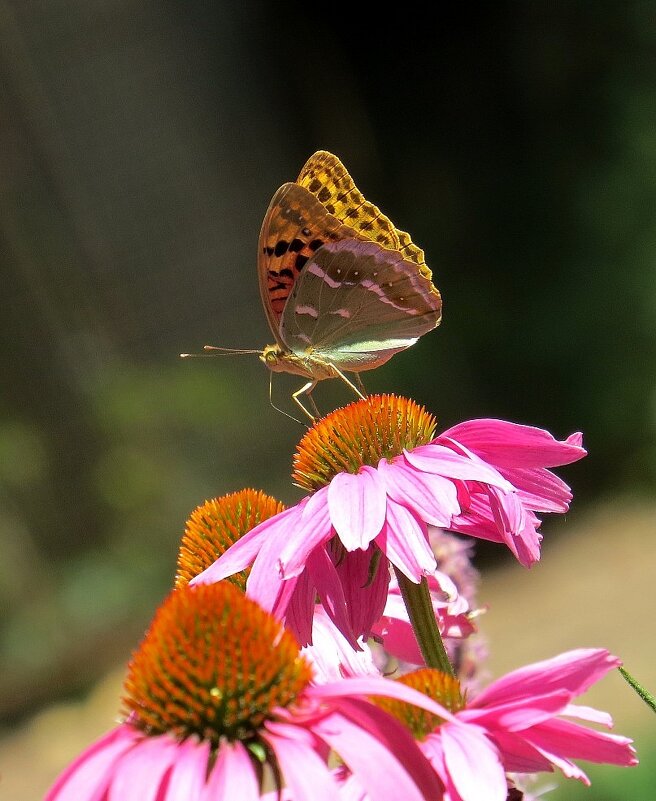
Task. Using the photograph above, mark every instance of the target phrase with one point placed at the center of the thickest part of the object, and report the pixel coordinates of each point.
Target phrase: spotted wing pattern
(356, 305)
(324, 205)
(295, 227)
(328, 179)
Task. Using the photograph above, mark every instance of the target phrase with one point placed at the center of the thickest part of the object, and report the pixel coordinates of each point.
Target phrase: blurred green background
(140, 145)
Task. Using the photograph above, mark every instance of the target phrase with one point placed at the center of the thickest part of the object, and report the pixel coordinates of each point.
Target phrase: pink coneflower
(219, 702)
(220, 522)
(517, 724)
(379, 478)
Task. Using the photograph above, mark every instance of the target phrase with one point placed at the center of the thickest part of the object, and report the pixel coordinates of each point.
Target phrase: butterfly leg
(313, 403)
(346, 381)
(359, 384)
(306, 389)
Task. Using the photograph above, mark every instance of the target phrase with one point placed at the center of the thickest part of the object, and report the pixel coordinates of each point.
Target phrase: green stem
(422, 617)
(646, 696)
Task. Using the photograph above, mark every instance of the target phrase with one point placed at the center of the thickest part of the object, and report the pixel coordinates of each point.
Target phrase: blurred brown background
(140, 143)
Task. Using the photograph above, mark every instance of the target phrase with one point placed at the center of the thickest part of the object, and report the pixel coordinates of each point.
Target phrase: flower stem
(646, 696)
(422, 617)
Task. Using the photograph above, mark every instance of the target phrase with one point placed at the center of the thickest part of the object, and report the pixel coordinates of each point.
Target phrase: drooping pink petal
(480, 522)
(357, 507)
(374, 685)
(517, 526)
(477, 519)
(138, 773)
(299, 610)
(233, 776)
(310, 532)
(518, 714)
(575, 671)
(330, 589)
(266, 584)
(539, 489)
(444, 461)
(243, 552)
(588, 714)
(508, 511)
(331, 654)
(404, 541)
(189, 771)
(365, 579)
(366, 738)
(518, 755)
(434, 497)
(87, 777)
(566, 739)
(473, 764)
(305, 773)
(512, 445)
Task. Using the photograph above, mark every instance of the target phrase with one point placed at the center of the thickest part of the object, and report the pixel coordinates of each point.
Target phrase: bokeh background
(140, 143)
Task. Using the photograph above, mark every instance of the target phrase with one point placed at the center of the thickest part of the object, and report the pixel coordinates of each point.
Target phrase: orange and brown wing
(324, 205)
(329, 181)
(296, 225)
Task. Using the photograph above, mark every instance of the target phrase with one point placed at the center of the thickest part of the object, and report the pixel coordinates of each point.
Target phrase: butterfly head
(309, 365)
(272, 355)
(279, 360)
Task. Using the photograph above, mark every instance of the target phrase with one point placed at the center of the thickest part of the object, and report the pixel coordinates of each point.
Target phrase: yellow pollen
(213, 664)
(362, 433)
(436, 685)
(216, 525)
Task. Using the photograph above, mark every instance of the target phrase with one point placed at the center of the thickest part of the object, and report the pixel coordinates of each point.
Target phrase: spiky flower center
(436, 685)
(213, 664)
(216, 525)
(362, 433)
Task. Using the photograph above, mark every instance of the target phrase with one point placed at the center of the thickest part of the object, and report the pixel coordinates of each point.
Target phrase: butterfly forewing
(357, 304)
(295, 227)
(327, 178)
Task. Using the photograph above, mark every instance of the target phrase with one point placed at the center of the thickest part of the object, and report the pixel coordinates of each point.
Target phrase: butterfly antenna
(215, 351)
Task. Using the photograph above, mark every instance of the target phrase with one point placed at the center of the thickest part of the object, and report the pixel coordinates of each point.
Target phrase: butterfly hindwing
(356, 304)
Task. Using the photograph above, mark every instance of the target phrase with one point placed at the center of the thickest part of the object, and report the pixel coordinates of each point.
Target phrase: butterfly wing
(324, 205)
(357, 304)
(327, 178)
(296, 225)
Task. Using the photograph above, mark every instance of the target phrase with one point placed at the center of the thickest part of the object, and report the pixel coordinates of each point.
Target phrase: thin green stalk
(422, 617)
(646, 696)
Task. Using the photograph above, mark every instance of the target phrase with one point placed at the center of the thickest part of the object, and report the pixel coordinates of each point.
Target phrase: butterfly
(343, 289)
